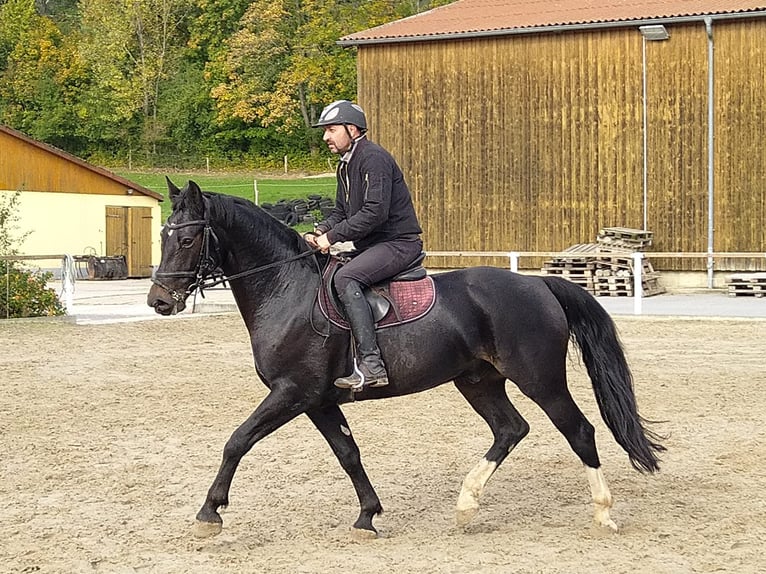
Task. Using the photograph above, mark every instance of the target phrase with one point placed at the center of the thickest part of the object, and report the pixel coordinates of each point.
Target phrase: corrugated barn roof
(495, 17)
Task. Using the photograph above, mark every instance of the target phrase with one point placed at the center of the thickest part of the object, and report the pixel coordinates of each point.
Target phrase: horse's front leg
(332, 424)
(281, 405)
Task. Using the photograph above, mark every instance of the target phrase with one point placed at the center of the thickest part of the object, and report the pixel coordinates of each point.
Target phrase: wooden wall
(50, 172)
(740, 138)
(535, 142)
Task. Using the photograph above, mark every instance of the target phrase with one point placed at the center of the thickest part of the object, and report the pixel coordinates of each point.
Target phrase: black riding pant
(378, 262)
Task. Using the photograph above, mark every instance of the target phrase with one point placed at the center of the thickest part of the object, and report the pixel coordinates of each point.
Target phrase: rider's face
(337, 138)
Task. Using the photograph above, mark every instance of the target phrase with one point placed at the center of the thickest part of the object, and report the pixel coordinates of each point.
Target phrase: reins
(205, 265)
(254, 270)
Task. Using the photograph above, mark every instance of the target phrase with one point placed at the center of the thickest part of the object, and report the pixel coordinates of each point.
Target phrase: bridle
(204, 274)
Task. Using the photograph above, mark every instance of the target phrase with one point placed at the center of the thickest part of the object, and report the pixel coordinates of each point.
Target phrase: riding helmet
(342, 112)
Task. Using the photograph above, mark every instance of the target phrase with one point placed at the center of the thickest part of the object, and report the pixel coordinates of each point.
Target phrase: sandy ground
(111, 434)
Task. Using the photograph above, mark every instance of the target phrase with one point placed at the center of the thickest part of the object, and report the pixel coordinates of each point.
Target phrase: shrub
(23, 293)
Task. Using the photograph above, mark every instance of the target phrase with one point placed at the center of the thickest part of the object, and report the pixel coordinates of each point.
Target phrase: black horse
(487, 326)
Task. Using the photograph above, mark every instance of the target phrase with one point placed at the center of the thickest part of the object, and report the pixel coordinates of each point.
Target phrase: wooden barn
(530, 125)
(68, 206)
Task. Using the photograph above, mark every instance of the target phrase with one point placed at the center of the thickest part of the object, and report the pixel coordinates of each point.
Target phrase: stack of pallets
(748, 284)
(580, 270)
(605, 268)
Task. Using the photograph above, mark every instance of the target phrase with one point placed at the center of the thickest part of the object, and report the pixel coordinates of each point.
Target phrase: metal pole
(638, 289)
(646, 169)
(710, 154)
(67, 282)
(514, 257)
(7, 289)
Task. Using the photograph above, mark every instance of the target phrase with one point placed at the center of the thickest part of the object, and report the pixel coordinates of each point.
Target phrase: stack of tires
(294, 211)
(321, 204)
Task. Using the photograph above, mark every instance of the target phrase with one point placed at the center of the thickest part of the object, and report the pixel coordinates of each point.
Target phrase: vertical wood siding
(740, 139)
(677, 104)
(51, 173)
(535, 142)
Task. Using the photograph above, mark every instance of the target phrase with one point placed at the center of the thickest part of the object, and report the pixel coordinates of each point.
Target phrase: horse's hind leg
(489, 399)
(332, 424)
(558, 404)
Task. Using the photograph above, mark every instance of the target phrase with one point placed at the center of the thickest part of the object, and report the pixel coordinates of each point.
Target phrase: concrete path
(125, 300)
(106, 301)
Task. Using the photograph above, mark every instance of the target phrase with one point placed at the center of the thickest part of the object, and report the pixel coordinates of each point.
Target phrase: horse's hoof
(608, 525)
(601, 518)
(463, 516)
(362, 534)
(206, 529)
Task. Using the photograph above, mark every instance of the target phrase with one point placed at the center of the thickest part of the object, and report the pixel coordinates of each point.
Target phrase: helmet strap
(351, 138)
(348, 133)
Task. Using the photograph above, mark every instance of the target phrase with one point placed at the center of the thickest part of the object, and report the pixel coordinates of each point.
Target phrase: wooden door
(129, 233)
(116, 231)
(139, 241)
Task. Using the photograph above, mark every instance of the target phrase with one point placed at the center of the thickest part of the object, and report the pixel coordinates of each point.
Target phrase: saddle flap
(378, 303)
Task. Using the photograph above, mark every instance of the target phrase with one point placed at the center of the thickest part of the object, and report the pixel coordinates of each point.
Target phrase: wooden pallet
(626, 233)
(747, 284)
(623, 286)
(582, 264)
(636, 239)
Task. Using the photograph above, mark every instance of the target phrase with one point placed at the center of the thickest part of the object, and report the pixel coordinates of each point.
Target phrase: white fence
(515, 256)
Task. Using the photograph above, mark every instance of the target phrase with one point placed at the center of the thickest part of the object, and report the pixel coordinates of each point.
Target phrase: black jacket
(372, 200)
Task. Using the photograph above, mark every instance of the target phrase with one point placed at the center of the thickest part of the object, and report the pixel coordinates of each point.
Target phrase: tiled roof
(492, 17)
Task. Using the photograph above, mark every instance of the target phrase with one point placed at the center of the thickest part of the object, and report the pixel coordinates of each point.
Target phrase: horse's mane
(265, 230)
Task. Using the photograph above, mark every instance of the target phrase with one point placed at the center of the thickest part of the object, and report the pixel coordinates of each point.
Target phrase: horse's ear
(173, 191)
(194, 201)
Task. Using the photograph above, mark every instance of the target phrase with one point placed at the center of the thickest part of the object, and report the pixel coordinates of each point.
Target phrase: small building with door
(529, 126)
(70, 207)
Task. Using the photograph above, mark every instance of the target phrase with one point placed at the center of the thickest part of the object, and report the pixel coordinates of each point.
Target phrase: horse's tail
(593, 331)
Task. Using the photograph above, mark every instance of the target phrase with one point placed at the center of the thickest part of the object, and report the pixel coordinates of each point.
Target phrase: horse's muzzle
(162, 302)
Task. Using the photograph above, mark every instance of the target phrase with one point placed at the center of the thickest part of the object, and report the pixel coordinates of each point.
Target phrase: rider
(373, 208)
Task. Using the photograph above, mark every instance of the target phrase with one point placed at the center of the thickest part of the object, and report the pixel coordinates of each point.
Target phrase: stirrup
(356, 381)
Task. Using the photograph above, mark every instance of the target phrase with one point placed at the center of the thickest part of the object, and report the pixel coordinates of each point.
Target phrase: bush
(23, 293)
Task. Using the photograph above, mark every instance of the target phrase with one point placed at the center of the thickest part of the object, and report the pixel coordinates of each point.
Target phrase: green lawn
(270, 189)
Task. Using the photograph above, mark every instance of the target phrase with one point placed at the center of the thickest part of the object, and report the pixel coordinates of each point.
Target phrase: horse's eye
(187, 242)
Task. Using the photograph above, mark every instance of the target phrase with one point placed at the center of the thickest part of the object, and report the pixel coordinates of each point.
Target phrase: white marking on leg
(470, 493)
(602, 498)
(345, 430)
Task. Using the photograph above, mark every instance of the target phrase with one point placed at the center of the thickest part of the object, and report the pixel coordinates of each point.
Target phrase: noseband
(204, 274)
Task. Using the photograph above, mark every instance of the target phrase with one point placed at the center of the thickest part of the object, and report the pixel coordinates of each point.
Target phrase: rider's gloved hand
(311, 238)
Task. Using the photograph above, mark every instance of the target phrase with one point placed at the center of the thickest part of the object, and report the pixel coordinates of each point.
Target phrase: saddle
(407, 296)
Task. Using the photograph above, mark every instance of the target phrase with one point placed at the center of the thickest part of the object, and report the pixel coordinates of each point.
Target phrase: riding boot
(369, 370)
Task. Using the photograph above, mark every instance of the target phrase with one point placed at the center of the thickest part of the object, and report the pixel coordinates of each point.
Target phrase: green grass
(270, 189)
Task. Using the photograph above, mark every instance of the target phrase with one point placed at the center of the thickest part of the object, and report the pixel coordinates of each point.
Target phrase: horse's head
(188, 251)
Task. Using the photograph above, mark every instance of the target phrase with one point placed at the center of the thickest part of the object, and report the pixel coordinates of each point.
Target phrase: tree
(42, 84)
(132, 47)
(283, 64)
(17, 17)
(170, 77)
